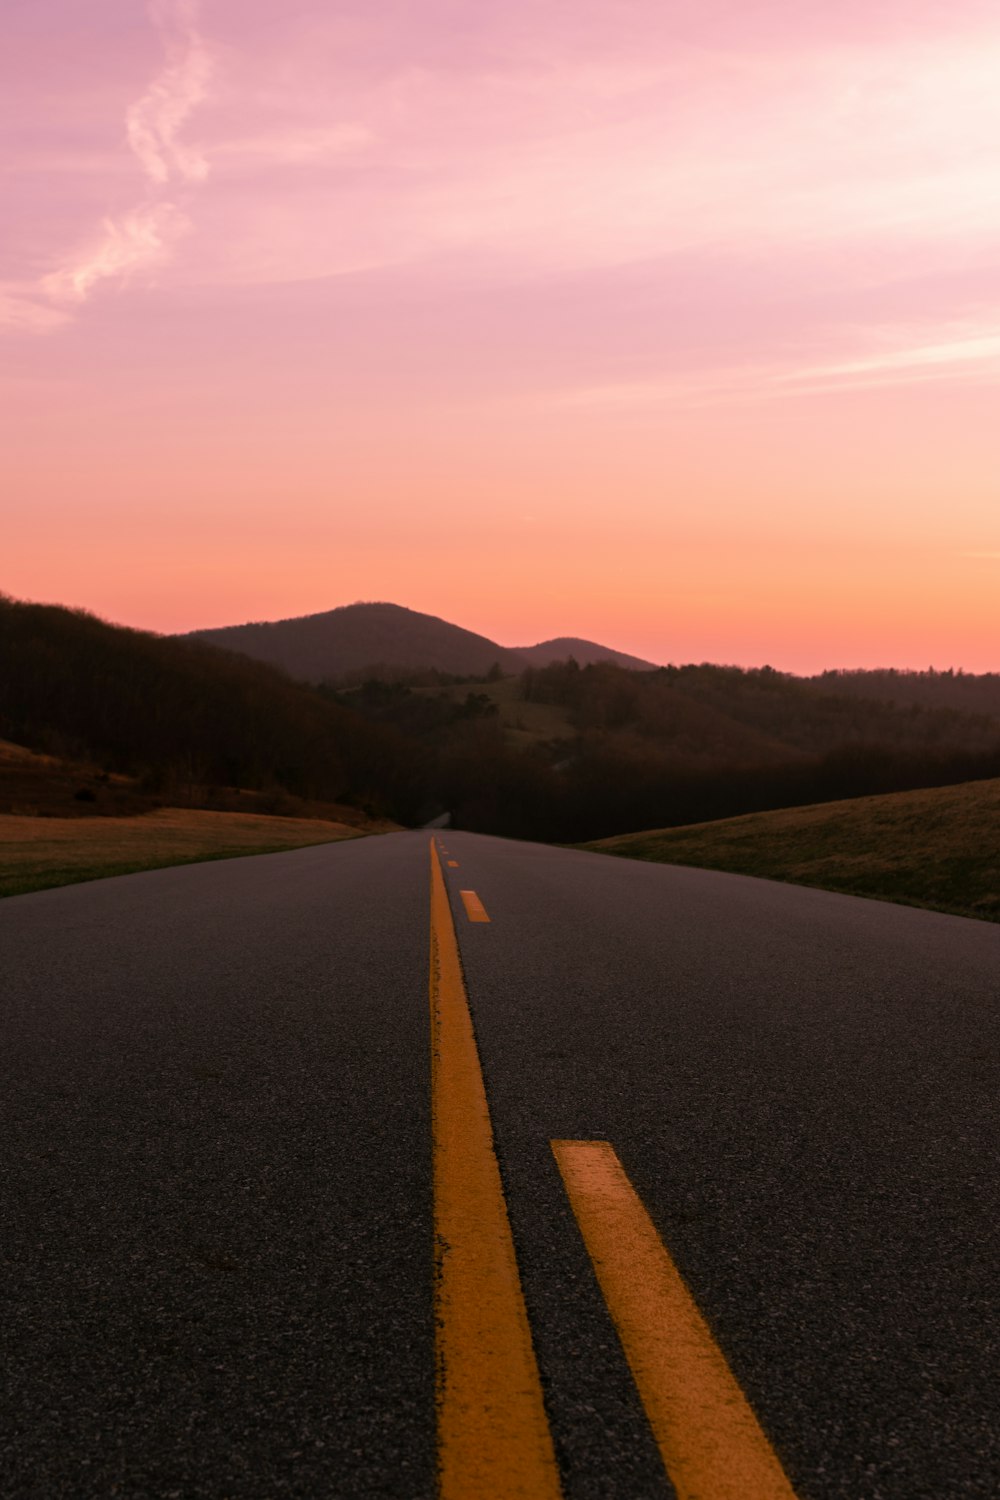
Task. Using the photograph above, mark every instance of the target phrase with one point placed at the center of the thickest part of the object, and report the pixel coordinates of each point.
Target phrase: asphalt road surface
(217, 1201)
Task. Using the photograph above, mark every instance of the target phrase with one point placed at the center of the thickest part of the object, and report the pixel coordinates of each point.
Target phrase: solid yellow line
(474, 908)
(493, 1436)
(712, 1444)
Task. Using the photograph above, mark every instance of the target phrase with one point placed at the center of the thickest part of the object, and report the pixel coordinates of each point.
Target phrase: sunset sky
(670, 323)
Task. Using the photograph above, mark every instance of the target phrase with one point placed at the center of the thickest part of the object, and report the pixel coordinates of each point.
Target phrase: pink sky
(670, 323)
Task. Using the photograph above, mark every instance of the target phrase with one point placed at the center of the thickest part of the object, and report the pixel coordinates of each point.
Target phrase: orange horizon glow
(679, 332)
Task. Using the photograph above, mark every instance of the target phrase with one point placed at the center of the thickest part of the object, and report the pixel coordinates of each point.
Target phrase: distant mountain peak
(378, 634)
(562, 647)
(354, 637)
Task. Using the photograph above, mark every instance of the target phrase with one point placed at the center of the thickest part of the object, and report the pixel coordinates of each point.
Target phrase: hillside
(38, 785)
(566, 647)
(182, 716)
(938, 848)
(345, 641)
(386, 640)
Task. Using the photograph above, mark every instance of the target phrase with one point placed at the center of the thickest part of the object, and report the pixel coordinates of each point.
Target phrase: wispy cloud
(918, 360)
(154, 122)
(142, 236)
(21, 311)
(907, 357)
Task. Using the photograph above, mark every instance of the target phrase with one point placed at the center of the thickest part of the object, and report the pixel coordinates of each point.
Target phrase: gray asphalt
(216, 1194)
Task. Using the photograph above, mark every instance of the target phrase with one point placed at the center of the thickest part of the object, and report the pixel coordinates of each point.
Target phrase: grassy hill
(938, 848)
(37, 853)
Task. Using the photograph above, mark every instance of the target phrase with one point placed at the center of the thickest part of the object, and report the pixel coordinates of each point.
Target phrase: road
(218, 1200)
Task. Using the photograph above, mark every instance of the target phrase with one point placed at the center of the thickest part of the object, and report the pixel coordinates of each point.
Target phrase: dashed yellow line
(474, 908)
(493, 1436)
(711, 1442)
(453, 864)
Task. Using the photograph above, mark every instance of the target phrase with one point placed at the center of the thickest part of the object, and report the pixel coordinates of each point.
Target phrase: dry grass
(938, 848)
(37, 785)
(36, 853)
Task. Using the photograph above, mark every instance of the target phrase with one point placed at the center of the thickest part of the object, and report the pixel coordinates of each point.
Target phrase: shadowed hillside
(181, 715)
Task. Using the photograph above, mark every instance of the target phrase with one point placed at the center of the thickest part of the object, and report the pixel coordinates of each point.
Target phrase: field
(938, 848)
(37, 852)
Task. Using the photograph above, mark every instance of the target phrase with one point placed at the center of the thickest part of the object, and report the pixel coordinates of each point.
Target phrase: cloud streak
(909, 357)
(154, 122)
(917, 361)
(142, 236)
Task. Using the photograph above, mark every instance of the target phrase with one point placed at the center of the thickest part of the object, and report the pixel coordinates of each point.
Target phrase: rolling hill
(585, 653)
(328, 646)
(387, 638)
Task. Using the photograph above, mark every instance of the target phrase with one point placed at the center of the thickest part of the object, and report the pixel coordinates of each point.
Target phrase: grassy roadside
(38, 853)
(938, 848)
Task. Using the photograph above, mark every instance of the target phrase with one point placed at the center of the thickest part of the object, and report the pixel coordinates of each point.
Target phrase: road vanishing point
(450, 1166)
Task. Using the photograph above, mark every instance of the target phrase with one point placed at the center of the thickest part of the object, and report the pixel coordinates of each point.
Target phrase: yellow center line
(453, 864)
(711, 1442)
(474, 908)
(493, 1436)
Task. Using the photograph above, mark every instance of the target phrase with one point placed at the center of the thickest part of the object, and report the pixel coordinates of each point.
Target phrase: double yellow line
(493, 1434)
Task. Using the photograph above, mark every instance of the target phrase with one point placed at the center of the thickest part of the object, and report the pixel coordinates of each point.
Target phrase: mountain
(347, 640)
(583, 652)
